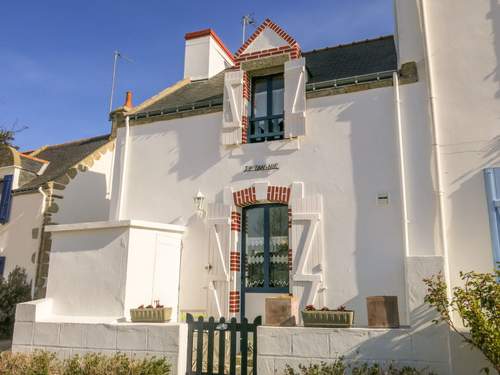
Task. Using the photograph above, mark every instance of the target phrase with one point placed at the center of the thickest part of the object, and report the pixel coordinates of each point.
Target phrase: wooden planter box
(382, 311)
(281, 311)
(151, 315)
(330, 319)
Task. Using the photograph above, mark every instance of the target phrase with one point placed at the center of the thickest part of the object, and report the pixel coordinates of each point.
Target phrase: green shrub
(338, 367)
(13, 290)
(477, 303)
(44, 363)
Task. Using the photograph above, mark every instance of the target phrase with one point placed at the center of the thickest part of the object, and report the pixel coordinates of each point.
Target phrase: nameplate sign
(261, 167)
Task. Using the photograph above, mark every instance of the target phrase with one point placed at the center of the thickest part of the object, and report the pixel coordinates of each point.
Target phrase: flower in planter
(341, 308)
(310, 308)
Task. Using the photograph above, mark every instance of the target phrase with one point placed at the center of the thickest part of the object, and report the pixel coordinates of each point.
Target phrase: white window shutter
(307, 251)
(295, 97)
(232, 111)
(218, 267)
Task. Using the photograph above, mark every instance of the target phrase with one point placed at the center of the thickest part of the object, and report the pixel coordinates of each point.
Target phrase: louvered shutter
(218, 268)
(492, 183)
(295, 98)
(307, 251)
(2, 266)
(6, 200)
(232, 107)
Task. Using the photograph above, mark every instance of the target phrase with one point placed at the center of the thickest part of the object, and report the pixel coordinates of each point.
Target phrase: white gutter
(123, 179)
(402, 173)
(44, 205)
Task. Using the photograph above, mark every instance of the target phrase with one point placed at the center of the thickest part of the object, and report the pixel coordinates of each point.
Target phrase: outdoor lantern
(199, 199)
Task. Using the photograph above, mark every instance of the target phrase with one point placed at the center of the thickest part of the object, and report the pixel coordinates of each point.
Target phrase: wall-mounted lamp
(199, 200)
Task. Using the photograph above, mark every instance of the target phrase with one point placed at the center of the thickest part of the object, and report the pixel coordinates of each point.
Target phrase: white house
(333, 174)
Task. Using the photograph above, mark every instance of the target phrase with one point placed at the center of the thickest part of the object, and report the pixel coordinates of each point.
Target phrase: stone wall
(281, 346)
(68, 338)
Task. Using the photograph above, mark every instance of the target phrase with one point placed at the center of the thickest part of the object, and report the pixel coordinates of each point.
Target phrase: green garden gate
(212, 346)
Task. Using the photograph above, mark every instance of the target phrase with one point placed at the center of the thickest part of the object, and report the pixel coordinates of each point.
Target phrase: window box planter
(328, 319)
(151, 314)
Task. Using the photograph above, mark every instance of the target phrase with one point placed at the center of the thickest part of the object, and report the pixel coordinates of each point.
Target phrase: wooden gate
(216, 354)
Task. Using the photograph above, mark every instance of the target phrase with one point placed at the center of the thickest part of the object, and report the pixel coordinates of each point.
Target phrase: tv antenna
(116, 55)
(246, 20)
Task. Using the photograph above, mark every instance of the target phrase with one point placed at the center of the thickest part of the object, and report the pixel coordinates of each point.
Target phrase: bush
(13, 290)
(44, 363)
(477, 303)
(340, 368)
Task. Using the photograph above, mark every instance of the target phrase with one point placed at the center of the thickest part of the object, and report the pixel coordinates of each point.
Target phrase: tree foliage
(13, 290)
(477, 303)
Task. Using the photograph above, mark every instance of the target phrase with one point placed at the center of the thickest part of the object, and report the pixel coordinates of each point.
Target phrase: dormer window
(267, 102)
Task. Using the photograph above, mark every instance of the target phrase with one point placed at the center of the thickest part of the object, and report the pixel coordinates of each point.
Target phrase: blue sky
(56, 55)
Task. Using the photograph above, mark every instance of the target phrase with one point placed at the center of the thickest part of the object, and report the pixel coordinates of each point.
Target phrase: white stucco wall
(87, 196)
(17, 242)
(464, 50)
(349, 155)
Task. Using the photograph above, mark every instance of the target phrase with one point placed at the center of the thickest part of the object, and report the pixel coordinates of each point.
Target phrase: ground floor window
(265, 248)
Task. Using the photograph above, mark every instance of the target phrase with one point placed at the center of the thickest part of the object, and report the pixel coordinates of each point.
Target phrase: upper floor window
(266, 117)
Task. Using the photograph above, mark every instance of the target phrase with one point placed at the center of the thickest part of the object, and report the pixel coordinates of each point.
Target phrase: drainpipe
(436, 142)
(123, 179)
(402, 173)
(437, 160)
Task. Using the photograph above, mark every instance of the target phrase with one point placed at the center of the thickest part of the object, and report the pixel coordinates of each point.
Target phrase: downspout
(436, 143)
(125, 168)
(437, 162)
(402, 173)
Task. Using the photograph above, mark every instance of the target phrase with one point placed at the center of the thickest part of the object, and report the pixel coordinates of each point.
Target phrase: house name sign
(261, 167)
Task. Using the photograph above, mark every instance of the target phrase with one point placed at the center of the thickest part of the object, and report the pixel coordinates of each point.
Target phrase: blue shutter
(6, 201)
(2, 266)
(492, 183)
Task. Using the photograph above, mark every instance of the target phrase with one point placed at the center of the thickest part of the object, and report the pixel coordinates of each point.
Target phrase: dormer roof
(268, 36)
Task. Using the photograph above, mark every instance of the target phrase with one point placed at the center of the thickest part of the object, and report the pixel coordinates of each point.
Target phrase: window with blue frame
(492, 183)
(6, 198)
(267, 103)
(265, 249)
(2, 266)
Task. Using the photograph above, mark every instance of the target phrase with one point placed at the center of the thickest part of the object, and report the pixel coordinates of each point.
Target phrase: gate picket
(202, 327)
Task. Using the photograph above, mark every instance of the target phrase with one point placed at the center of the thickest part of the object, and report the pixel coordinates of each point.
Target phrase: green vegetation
(13, 290)
(340, 368)
(44, 363)
(477, 303)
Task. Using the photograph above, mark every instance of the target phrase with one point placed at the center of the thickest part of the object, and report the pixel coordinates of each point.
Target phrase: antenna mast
(246, 20)
(116, 54)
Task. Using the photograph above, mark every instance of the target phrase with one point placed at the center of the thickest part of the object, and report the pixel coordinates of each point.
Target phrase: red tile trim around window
(235, 221)
(234, 301)
(245, 197)
(278, 194)
(235, 261)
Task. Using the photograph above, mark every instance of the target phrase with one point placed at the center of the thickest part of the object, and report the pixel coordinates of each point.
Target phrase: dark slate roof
(31, 164)
(369, 56)
(64, 156)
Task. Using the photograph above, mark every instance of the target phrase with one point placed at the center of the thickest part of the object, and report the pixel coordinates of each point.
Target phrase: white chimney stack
(205, 55)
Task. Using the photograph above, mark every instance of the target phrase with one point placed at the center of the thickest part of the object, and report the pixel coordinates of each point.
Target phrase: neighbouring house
(35, 185)
(333, 174)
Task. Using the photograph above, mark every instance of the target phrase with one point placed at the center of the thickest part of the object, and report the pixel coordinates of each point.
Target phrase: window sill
(287, 144)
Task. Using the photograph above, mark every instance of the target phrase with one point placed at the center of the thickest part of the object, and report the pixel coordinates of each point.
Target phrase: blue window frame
(492, 184)
(2, 266)
(267, 103)
(265, 249)
(6, 199)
